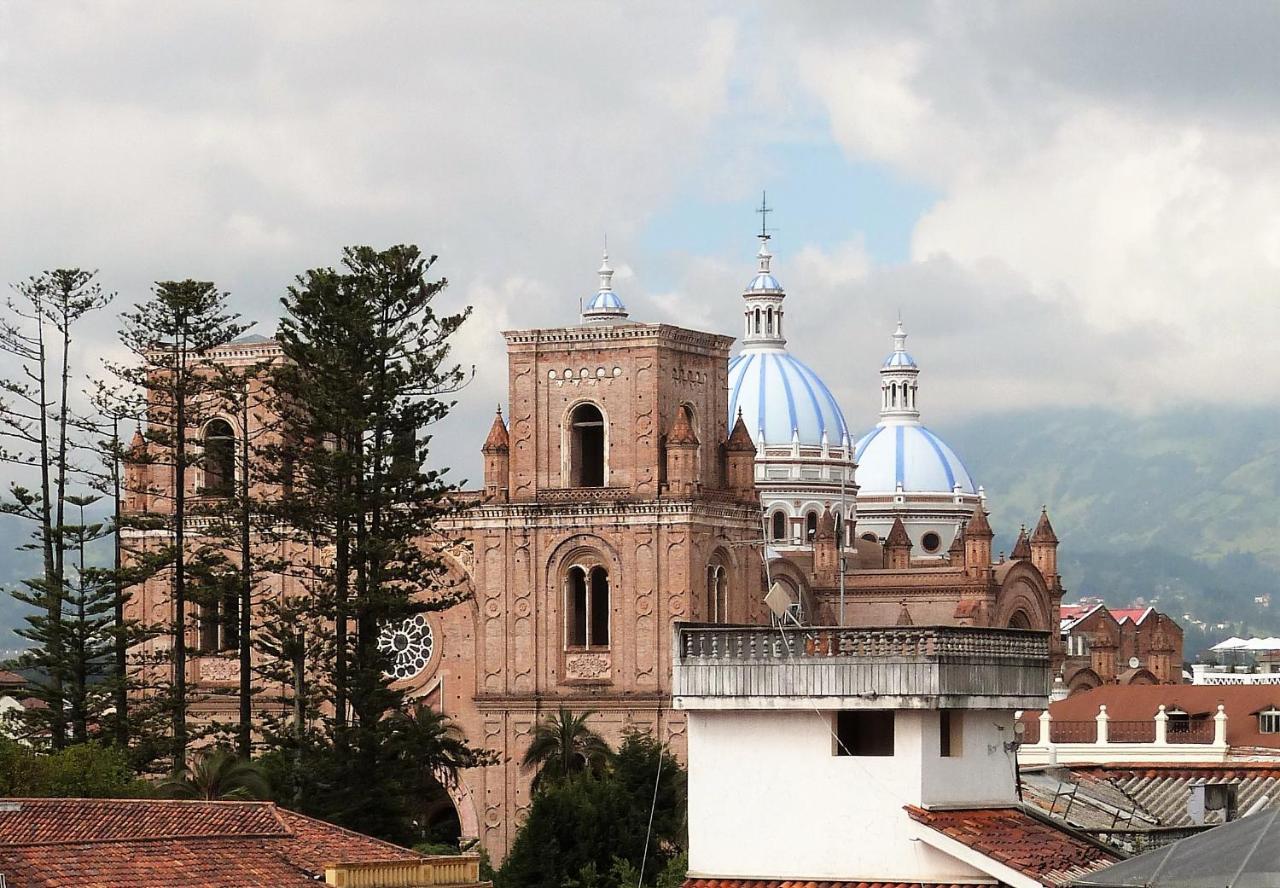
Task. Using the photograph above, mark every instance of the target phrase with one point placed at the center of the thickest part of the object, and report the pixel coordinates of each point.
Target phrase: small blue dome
(899, 359)
(778, 394)
(763, 281)
(605, 300)
(909, 455)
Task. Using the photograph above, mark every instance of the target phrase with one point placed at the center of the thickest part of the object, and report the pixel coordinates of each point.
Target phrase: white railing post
(1220, 726)
(1046, 736)
(1102, 719)
(1162, 727)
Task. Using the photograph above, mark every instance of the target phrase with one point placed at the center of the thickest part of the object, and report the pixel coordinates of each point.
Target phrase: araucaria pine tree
(172, 336)
(35, 420)
(366, 373)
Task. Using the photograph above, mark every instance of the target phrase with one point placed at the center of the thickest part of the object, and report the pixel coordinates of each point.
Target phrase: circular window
(931, 542)
(409, 646)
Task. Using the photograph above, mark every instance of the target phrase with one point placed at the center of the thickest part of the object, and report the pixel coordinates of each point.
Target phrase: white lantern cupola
(899, 380)
(605, 307)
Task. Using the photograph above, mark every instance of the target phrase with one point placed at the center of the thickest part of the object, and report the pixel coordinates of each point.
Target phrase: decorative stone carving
(219, 669)
(592, 666)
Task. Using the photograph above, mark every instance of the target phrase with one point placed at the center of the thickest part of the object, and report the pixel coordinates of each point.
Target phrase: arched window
(768, 315)
(839, 529)
(757, 320)
(894, 395)
(219, 458)
(219, 623)
(870, 538)
(778, 529)
(717, 594)
(810, 526)
(586, 447)
(1019, 620)
(587, 607)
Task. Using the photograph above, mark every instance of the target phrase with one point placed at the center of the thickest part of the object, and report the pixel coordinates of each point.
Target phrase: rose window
(409, 645)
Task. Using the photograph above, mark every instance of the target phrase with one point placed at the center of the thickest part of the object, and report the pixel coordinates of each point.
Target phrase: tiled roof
(1019, 840)
(1163, 791)
(788, 883)
(125, 843)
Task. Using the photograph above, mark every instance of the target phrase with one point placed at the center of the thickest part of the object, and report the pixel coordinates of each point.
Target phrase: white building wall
(983, 773)
(769, 799)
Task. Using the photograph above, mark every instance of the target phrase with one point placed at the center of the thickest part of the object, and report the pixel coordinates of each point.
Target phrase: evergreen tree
(365, 375)
(171, 337)
(34, 422)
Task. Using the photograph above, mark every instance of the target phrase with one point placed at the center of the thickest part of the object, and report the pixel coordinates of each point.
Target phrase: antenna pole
(844, 532)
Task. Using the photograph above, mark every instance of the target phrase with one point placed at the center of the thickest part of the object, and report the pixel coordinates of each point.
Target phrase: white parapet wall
(1104, 748)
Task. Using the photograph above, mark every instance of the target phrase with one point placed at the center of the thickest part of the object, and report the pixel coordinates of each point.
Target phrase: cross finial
(764, 212)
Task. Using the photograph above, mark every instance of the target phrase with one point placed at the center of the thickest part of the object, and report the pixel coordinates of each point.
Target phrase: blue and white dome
(900, 454)
(783, 401)
(604, 301)
(908, 457)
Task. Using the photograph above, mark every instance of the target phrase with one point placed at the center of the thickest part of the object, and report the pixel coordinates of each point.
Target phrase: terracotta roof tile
(1021, 841)
(127, 843)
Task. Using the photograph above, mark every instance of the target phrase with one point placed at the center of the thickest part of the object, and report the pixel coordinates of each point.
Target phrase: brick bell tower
(617, 502)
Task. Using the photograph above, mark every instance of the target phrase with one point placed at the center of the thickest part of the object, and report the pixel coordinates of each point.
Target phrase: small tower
(682, 455)
(955, 555)
(497, 459)
(1044, 548)
(977, 542)
(897, 547)
(740, 461)
(1021, 548)
(605, 307)
(762, 310)
(826, 554)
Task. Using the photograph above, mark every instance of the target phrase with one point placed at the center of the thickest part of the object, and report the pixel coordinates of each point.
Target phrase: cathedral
(643, 475)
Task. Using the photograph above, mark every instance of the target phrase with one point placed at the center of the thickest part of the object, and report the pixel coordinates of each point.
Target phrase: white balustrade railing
(1103, 740)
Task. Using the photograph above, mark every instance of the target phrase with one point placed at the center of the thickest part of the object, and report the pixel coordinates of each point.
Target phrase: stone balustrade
(888, 667)
(1103, 740)
(446, 871)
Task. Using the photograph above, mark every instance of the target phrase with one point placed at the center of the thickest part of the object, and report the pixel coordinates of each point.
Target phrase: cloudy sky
(1069, 203)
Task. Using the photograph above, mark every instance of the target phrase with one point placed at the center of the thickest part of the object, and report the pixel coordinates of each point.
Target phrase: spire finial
(764, 212)
(900, 336)
(605, 306)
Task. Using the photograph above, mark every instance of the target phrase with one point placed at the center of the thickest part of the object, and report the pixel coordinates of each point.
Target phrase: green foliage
(217, 774)
(563, 745)
(85, 770)
(589, 829)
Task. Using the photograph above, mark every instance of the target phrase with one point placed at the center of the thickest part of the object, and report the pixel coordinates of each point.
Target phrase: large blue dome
(780, 397)
(908, 455)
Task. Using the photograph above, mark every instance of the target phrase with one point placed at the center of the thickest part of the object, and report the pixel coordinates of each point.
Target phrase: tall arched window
(757, 320)
(768, 315)
(717, 594)
(219, 623)
(219, 458)
(586, 447)
(587, 607)
(810, 526)
(840, 529)
(778, 529)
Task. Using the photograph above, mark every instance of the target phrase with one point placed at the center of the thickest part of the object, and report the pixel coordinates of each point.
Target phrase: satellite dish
(779, 600)
(1134, 662)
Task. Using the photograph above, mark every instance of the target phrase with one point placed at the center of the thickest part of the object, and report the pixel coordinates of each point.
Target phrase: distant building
(865, 756)
(162, 844)
(1126, 646)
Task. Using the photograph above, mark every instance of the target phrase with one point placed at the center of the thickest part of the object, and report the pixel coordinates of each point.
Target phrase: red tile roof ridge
(284, 814)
